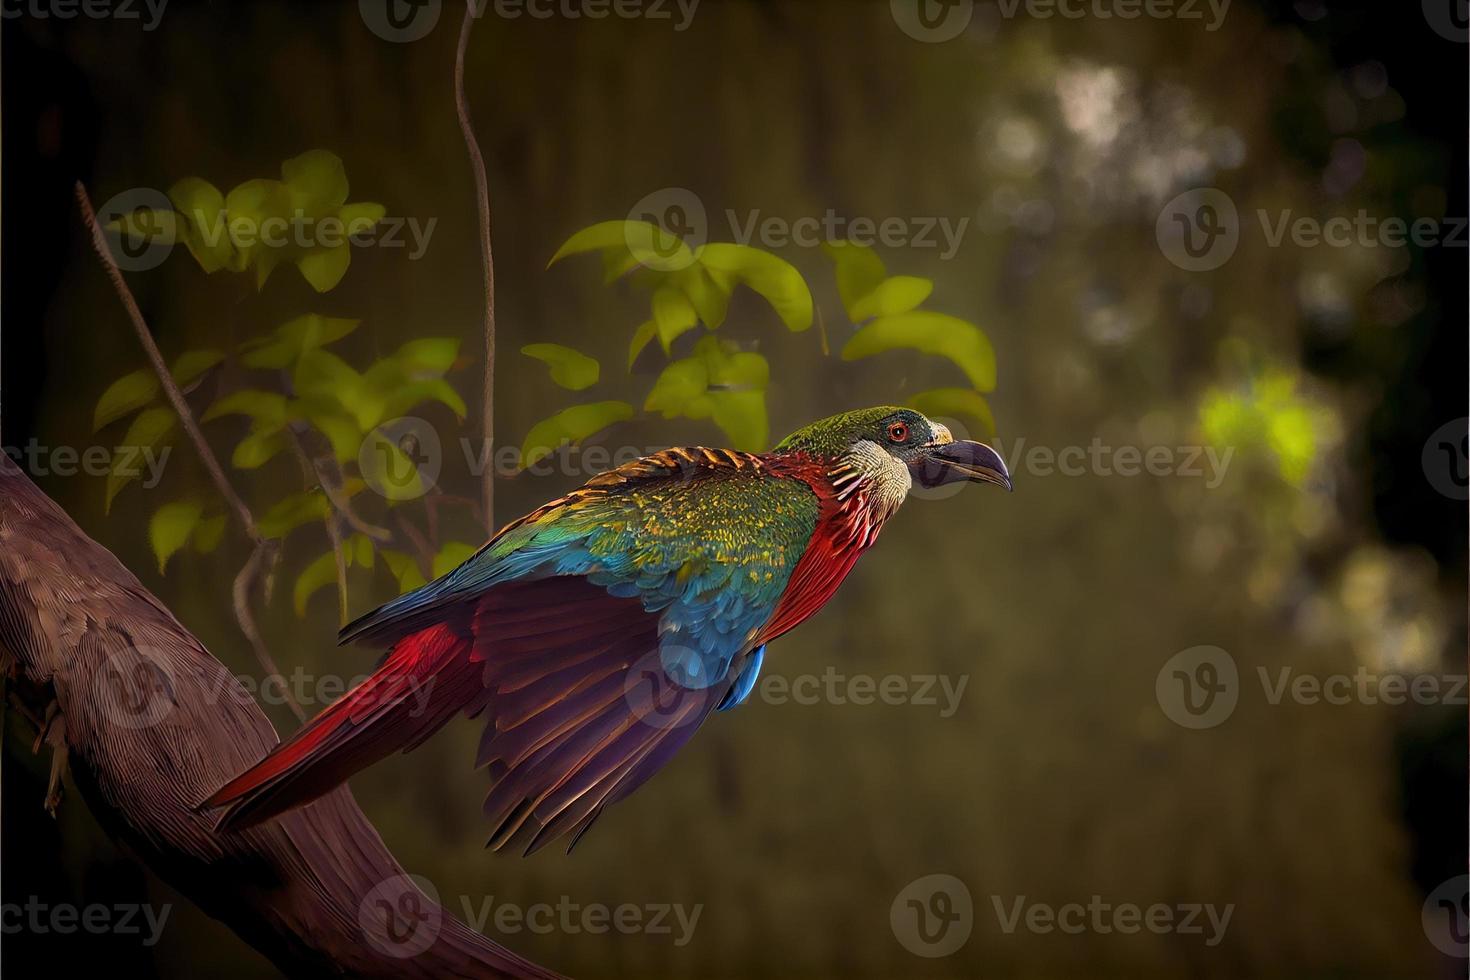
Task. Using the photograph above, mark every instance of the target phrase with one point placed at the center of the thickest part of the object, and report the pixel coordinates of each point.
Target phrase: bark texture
(151, 723)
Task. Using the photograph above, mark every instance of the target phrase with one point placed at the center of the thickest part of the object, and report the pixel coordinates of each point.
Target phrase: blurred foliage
(288, 386)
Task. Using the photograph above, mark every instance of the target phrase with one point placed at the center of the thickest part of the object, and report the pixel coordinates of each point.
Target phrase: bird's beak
(951, 462)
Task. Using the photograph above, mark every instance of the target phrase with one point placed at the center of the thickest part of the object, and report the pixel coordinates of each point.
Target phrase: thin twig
(323, 471)
(311, 472)
(175, 396)
(482, 195)
(255, 570)
(263, 555)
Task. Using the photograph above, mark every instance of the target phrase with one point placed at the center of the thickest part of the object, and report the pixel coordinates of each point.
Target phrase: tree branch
(482, 196)
(151, 724)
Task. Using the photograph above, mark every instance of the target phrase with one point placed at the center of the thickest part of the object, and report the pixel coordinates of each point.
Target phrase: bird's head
(895, 448)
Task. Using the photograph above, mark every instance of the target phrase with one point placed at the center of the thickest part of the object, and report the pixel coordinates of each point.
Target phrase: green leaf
(571, 425)
(711, 299)
(327, 378)
(404, 569)
(677, 387)
(360, 218)
(956, 403)
(428, 355)
(388, 469)
(207, 534)
(774, 278)
(325, 268)
(249, 205)
(317, 181)
(293, 512)
(191, 364)
(719, 382)
(170, 527)
(205, 222)
(332, 421)
(145, 227)
(859, 271)
(318, 575)
(673, 314)
(892, 296)
(265, 408)
(415, 393)
(257, 449)
(124, 396)
(646, 331)
(642, 242)
(451, 556)
(569, 368)
(149, 429)
(728, 367)
(359, 551)
(293, 338)
(932, 333)
(741, 415)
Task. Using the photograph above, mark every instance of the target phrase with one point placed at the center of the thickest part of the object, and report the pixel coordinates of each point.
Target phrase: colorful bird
(596, 633)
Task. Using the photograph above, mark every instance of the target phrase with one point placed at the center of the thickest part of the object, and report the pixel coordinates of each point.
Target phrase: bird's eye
(898, 432)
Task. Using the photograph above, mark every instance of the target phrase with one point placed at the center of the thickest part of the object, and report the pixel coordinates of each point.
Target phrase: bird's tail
(426, 679)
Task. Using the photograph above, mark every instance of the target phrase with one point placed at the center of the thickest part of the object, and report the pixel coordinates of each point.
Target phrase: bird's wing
(610, 623)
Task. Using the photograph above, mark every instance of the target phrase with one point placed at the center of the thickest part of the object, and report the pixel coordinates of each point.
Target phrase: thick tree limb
(152, 723)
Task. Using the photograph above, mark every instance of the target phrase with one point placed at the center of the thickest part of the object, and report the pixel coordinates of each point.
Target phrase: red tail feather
(427, 678)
